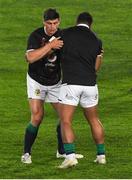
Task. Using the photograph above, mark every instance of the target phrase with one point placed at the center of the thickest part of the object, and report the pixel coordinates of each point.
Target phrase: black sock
(59, 138)
(30, 136)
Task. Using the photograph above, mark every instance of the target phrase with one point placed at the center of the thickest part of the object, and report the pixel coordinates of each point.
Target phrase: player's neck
(47, 33)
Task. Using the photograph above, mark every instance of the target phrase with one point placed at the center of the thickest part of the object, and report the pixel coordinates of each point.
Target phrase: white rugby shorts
(87, 96)
(38, 91)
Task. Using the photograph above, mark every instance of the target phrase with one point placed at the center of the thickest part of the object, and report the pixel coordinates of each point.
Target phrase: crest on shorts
(69, 97)
(37, 92)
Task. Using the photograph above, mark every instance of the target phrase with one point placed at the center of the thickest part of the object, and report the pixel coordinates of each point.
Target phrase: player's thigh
(91, 113)
(66, 112)
(35, 90)
(36, 107)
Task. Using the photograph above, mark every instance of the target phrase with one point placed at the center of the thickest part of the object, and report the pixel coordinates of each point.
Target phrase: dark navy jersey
(78, 56)
(46, 71)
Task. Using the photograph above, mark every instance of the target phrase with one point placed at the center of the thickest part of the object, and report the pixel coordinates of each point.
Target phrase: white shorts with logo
(38, 91)
(87, 96)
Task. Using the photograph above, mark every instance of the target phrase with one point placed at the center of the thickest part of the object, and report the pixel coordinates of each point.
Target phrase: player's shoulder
(38, 31)
(68, 30)
(95, 35)
(72, 28)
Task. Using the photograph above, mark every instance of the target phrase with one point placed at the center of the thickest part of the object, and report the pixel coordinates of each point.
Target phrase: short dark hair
(85, 17)
(50, 14)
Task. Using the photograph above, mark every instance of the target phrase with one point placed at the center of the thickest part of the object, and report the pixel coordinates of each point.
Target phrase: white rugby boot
(26, 158)
(79, 156)
(67, 163)
(58, 155)
(100, 159)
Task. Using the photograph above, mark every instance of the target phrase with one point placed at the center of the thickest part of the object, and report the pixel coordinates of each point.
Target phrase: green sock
(32, 129)
(30, 136)
(69, 148)
(100, 149)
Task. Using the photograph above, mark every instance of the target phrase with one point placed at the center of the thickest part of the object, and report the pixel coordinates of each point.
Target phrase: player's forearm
(37, 54)
(98, 62)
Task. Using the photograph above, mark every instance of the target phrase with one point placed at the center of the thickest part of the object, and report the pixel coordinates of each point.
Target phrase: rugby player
(81, 59)
(43, 78)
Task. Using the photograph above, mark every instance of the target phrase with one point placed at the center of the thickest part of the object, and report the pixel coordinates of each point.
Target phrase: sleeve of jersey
(33, 42)
(100, 47)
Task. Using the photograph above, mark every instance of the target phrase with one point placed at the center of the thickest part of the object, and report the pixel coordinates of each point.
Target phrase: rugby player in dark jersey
(43, 78)
(81, 58)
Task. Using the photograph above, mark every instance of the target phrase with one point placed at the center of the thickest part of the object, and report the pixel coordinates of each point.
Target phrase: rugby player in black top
(43, 78)
(81, 58)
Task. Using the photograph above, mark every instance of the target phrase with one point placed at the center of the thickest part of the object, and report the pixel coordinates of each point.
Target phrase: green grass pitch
(112, 23)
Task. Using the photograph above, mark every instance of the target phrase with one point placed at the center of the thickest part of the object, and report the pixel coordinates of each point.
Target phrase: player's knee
(37, 120)
(37, 117)
(66, 123)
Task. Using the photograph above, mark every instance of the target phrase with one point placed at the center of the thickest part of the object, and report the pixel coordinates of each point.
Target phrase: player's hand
(101, 54)
(56, 43)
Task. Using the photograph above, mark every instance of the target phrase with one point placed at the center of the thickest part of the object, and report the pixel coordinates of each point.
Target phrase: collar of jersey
(45, 31)
(85, 25)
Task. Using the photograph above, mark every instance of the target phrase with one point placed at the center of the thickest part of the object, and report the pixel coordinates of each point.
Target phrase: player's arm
(99, 59)
(36, 54)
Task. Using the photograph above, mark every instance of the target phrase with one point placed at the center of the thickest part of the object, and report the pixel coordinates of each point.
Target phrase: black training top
(46, 71)
(78, 55)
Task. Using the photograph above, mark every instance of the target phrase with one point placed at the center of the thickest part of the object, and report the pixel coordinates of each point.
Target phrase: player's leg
(37, 113)
(96, 126)
(68, 99)
(66, 115)
(89, 101)
(31, 131)
(97, 132)
(52, 97)
(36, 95)
(60, 149)
(61, 152)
